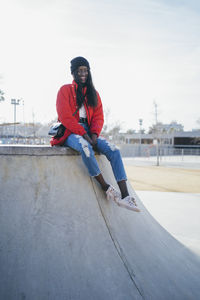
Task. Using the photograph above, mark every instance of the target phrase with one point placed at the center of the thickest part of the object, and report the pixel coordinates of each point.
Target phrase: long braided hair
(90, 91)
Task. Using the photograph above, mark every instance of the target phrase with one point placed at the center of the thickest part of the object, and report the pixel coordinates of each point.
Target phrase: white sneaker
(113, 194)
(129, 203)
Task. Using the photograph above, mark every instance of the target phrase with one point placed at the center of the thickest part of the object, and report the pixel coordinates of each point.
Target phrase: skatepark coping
(36, 150)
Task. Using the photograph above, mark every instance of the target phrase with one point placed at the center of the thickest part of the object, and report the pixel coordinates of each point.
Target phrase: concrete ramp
(61, 239)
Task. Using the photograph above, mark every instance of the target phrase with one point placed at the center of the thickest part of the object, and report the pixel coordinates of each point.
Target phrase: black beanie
(77, 62)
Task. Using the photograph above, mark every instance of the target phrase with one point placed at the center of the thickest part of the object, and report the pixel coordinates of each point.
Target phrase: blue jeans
(112, 153)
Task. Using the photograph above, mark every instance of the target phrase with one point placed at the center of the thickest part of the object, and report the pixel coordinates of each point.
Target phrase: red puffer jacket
(66, 106)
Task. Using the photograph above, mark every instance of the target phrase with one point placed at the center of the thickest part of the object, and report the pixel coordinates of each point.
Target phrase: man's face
(82, 74)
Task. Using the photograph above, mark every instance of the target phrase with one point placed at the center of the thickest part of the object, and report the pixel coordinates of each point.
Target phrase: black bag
(57, 130)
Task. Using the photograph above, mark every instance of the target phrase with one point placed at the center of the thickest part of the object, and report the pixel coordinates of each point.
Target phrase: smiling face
(82, 74)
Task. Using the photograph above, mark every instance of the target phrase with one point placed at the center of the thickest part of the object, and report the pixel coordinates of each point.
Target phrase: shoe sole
(111, 199)
(129, 208)
(115, 199)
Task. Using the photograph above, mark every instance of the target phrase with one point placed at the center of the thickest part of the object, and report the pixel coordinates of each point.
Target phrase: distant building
(187, 139)
(182, 139)
(29, 133)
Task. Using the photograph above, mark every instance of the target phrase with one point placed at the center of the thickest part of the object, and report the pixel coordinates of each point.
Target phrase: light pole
(157, 140)
(15, 102)
(140, 124)
(24, 120)
(2, 96)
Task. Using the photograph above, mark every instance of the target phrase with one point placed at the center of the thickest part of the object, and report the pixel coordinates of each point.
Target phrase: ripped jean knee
(78, 143)
(85, 147)
(108, 144)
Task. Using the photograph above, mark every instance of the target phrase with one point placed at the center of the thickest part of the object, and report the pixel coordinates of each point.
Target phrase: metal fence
(179, 152)
(128, 150)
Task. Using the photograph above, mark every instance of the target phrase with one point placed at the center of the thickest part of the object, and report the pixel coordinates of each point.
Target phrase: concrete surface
(61, 239)
(178, 213)
(185, 162)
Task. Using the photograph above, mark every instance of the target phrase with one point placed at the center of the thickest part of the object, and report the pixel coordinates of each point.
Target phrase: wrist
(87, 138)
(94, 134)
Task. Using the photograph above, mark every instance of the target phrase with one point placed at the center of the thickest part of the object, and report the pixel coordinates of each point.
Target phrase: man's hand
(88, 139)
(94, 140)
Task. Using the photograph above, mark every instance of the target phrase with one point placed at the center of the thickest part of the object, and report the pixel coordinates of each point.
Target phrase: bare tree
(106, 121)
(130, 131)
(110, 128)
(115, 130)
(2, 98)
(155, 128)
(166, 128)
(198, 122)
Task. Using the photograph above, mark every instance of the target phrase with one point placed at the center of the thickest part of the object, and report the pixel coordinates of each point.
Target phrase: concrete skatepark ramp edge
(61, 239)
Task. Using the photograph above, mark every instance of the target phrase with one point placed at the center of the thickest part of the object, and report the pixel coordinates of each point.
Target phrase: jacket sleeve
(65, 113)
(97, 120)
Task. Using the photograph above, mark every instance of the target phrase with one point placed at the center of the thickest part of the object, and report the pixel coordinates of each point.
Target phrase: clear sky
(140, 51)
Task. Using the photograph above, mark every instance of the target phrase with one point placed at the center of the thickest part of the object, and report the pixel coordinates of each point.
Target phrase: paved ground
(178, 213)
(185, 162)
(171, 193)
(171, 176)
